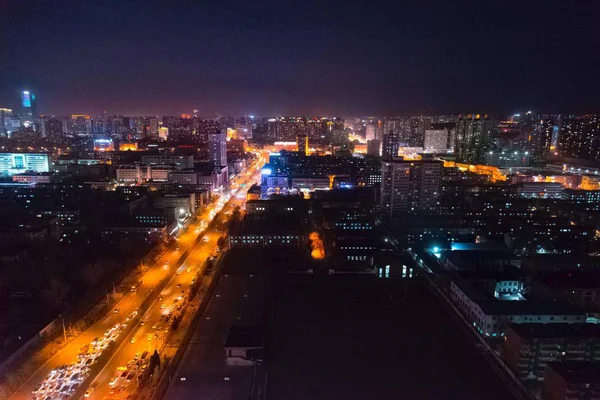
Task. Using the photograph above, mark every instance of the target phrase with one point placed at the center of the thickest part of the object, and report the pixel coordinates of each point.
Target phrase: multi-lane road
(151, 328)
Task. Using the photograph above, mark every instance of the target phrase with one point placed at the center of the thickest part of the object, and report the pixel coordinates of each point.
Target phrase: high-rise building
(374, 147)
(28, 106)
(153, 127)
(52, 127)
(5, 115)
(302, 143)
(80, 124)
(474, 134)
(391, 144)
(579, 137)
(410, 186)
(217, 149)
(544, 136)
(436, 141)
(163, 133)
(370, 132)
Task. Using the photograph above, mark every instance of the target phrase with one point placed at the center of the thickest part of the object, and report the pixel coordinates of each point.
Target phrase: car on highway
(113, 381)
(149, 337)
(89, 392)
(116, 310)
(133, 339)
(163, 306)
(155, 325)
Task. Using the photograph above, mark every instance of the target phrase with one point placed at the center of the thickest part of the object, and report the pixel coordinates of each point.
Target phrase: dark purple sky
(301, 57)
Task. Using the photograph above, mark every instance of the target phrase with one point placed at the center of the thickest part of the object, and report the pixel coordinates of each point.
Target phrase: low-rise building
(530, 347)
(574, 380)
(36, 177)
(490, 315)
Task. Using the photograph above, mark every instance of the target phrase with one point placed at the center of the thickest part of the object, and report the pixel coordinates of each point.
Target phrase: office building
(474, 134)
(16, 163)
(436, 141)
(217, 149)
(410, 186)
(28, 106)
(573, 380)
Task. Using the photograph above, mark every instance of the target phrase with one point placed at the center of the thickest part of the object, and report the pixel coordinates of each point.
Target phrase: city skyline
(301, 59)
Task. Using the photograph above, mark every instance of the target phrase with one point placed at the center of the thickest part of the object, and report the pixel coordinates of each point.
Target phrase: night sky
(301, 57)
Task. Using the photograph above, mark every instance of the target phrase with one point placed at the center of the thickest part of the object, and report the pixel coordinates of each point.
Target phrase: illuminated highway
(146, 336)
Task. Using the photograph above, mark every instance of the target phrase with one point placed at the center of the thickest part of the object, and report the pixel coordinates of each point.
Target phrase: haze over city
(276, 58)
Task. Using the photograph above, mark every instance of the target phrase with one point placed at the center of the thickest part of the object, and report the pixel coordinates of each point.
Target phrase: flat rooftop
(556, 331)
(360, 337)
(240, 299)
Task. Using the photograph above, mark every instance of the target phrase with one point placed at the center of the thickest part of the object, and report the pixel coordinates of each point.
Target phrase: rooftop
(492, 306)
(573, 280)
(245, 336)
(577, 371)
(556, 331)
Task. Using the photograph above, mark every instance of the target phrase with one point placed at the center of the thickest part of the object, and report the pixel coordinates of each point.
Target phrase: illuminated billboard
(103, 145)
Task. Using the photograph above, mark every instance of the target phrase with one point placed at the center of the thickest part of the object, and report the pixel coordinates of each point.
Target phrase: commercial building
(573, 380)
(530, 347)
(16, 163)
(410, 186)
